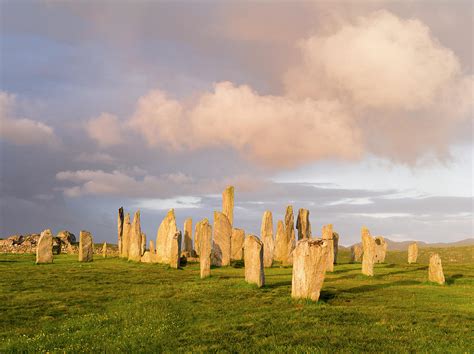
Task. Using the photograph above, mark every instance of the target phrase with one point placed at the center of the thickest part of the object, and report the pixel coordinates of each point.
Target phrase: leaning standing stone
(86, 246)
(188, 235)
(412, 252)
(237, 244)
(266, 233)
(135, 245)
(356, 253)
(435, 273)
(368, 245)
(327, 235)
(204, 230)
(253, 259)
(126, 235)
(222, 239)
(228, 204)
(380, 249)
(303, 225)
(309, 268)
(104, 250)
(44, 248)
(175, 250)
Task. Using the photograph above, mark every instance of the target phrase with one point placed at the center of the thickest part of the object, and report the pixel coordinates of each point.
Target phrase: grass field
(113, 305)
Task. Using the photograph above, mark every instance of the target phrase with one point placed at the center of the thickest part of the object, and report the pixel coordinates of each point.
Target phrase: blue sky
(360, 112)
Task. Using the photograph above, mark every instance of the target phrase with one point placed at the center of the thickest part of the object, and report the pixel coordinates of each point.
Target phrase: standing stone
(368, 257)
(120, 229)
(127, 227)
(147, 257)
(290, 233)
(327, 235)
(228, 204)
(253, 259)
(281, 252)
(197, 242)
(175, 250)
(237, 244)
(164, 237)
(303, 225)
(44, 248)
(412, 252)
(135, 243)
(435, 273)
(86, 246)
(104, 250)
(152, 247)
(335, 241)
(266, 234)
(188, 235)
(222, 239)
(143, 244)
(380, 249)
(356, 253)
(309, 268)
(204, 230)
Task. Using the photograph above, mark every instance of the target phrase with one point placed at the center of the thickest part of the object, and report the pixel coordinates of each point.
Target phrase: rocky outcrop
(222, 239)
(237, 244)
(266, 234)
(228, 204)
(253, 259)
(44, 250)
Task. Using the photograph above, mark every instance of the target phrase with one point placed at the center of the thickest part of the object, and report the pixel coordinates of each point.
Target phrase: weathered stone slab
(237, 244)
(104, 250)
(120, 220)
(127, 227)
(327, 234)
(335, 241)
(188, 235)
(435, 272)
(368, 256)
(135, 245)
(380, 249)
(164, 237)
(412, 252)
(356, 253)
(266, 234)
(203, 233)
(253, 259)
(175, 250)
(86, 246)
(303, 225)
(309, 268)
(44, 248)
(222, 239)
(228, 204)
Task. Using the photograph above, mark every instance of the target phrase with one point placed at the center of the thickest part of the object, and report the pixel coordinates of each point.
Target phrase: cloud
(22, 131)
(96, 157)
(105, 130)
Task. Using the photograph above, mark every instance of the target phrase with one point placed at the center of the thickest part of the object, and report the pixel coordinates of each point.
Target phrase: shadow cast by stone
(374, 287)
(452, 279)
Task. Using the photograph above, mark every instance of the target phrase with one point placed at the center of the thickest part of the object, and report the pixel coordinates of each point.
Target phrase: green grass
(113, 305)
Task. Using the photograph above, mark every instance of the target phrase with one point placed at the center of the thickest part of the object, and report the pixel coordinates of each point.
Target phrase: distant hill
(403, 245)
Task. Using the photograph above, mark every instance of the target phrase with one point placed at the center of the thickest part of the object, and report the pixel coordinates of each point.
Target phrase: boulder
(228, 204)
(380, 249)
(44, 249)
(237, 244)
(266, 234)
(356, 253)
(303, 225)
(188, 235)
(86, 246)
(135, 242)
(435, 272)
(222, 239)
(327, 234)
(66, 237)
(203, 233)
(309, 268)
(253, 259)
(368, 256)
(412, 252)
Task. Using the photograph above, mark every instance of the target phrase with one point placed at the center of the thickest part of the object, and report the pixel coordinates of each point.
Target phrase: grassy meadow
(114, 305)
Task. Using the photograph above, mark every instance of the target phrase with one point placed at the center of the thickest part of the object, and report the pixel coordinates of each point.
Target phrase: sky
(360, 111)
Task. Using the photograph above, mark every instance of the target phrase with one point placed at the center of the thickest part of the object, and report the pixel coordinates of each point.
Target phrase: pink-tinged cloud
(22, 131)
(105, 130)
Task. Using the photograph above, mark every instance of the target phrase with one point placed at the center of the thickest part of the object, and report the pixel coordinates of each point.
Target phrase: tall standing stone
(335, 241)
(281, 251)
(104, 250)
(309, 268)
(237, 244)
(222, 239)
(127, 227)
(290, 233)
(204, 230)
(175, 250)
(380, 249)
(266, 234)
(120, 229)
(368, 257)
(44, 248)
(164, 237)
(253, 259)
(86, 246)
(327, 234)
(356, 253)
(412, 252)
(135, 245)
(152, 247)
(435, 272)
(143, 244)
(228, 204)
(188, 235)
(303, 225)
